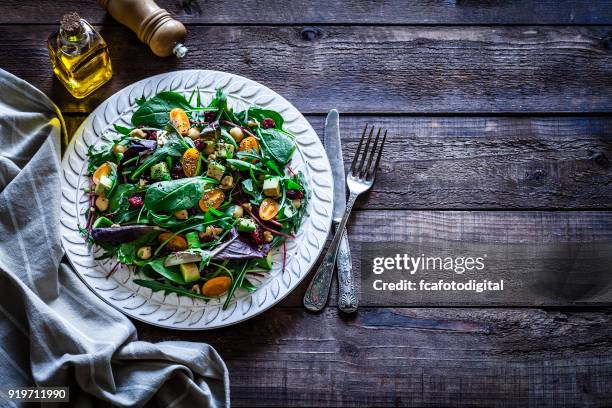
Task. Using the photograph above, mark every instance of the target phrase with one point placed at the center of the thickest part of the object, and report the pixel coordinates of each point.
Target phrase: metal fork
(359, 180)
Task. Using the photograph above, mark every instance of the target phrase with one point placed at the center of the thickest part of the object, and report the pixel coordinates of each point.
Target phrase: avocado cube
(215, 170)
(190, 272)
(160, 171)
(209, 147)
(265, 262)
(224, 150)
(246, 225)
(272, 187)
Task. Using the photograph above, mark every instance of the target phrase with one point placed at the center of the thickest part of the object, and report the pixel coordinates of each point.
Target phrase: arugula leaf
(242, 165)
(102, 222)
(278, 144)
(119, 205)
(246, 284)
(172, 195)
(293, 185)
(220, 102)
(122, 130)
(158, 286)
(155, 112)
(119, 197)
(99, 155)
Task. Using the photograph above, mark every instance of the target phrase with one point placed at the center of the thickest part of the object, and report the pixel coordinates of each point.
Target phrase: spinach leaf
(157, 265)
(260, 114)
(172, 195)
(278, 144)
(155, 112)
(157, 286)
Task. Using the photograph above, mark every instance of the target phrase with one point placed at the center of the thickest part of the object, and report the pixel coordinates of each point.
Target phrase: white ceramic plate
(182, 312)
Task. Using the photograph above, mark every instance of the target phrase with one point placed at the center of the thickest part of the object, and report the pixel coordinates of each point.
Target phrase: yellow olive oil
(79, 56)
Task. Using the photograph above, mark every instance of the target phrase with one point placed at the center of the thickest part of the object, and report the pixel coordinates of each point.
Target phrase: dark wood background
(500, 116)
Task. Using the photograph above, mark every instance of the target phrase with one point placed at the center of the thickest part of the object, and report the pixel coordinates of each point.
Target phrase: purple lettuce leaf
(242, 248)
(123, 234)
(139, 147)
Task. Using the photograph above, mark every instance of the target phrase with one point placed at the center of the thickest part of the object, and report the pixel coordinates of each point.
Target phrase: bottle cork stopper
(71, 24)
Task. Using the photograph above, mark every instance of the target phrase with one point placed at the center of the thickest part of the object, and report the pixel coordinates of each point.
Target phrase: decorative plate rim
(154, 308)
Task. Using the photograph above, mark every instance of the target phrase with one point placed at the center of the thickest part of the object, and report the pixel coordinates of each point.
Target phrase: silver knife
(318, 291)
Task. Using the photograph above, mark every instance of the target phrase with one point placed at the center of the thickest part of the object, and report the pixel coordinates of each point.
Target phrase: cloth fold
(53, 330)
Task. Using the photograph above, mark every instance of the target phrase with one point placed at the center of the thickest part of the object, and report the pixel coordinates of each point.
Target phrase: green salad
(195, 196)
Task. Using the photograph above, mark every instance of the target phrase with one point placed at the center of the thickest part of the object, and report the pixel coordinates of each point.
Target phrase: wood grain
(366, 69)
(345, 11)
(484, 162)
(472, 229)
(544, 258)
(334, 55)
(415, 357)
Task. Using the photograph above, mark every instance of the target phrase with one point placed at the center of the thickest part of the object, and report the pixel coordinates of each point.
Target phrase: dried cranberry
(207, 238)
(257, 236)
(293, 194)
(268, 123)
(199, 144)
(136, 201)
(177, 172)
(210, 116)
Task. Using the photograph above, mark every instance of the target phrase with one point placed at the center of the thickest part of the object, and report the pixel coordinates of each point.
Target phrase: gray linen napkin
(53, 330)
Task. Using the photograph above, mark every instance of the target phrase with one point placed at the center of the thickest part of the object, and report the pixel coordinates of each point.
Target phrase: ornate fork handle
(347, 296)
(318, 291)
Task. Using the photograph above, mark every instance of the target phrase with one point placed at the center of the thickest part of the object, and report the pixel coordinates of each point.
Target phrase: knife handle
(347, 296)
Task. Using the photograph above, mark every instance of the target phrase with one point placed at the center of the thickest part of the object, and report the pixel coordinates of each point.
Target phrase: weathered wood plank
(544, 258)
(415, 357)
(475, 229)
(484, 162)
(319, 11)
(366, 69)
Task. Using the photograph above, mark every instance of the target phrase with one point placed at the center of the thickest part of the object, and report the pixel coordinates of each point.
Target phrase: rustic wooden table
(500, 116)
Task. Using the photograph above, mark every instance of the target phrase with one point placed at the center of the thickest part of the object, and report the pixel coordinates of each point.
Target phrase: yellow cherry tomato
(268, 209)
(179, 119)
(178, 243)
(216, 287)
(103, 170)
(249, 144)
(212, 199)
(191, 162)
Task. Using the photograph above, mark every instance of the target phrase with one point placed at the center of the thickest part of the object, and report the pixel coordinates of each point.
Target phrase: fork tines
(368, 172)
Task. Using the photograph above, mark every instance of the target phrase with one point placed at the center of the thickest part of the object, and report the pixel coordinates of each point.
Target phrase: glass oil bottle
(79, 56)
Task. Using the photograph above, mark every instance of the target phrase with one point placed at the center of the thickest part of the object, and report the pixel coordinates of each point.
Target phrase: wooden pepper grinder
(153, 25)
